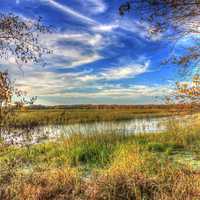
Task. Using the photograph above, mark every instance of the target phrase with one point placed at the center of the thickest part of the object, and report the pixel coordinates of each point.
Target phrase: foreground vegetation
(160, 166)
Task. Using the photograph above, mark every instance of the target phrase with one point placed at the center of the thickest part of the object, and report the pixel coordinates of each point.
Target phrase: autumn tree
(188, 92)
(19, 40)
(5, 89)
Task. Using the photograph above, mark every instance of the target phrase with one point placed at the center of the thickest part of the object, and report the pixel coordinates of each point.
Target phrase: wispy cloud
(103, 43)
(105, 27)
(138, 28)
(49, 83)
(69, 86)
(128, 71)
(69, 11)
(131, 91)
(117, 73)
(70, 49)
(95, 7)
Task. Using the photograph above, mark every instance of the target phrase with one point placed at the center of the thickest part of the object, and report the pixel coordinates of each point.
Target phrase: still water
(135, 126)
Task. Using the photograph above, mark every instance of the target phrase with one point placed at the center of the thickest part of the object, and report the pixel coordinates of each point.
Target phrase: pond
(134, 126)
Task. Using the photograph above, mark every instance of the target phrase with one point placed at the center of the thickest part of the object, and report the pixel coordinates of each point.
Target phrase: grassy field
(35, 117)
(160, 166)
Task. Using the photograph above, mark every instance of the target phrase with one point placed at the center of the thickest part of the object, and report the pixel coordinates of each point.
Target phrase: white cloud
(98, 6)
(83, 38)
(51, 84)
(89, 77)
(121, 92)
(142, 29)
(117, 73)
(70, 11)
(73, 49)
(129, 71)
(82, 60)
(45, 83)
(134, 91)
(94, 6)
(105, 27)
(69, 49)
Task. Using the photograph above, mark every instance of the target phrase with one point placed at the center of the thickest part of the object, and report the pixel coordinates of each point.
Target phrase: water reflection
(39, 134)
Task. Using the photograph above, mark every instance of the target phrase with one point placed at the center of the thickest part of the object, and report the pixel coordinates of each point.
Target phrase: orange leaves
(189, 89)
(5, 88)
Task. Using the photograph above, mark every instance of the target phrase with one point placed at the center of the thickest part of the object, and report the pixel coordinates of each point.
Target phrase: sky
(98, 56)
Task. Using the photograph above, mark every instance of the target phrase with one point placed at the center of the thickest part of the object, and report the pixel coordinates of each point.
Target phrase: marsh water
(134, 126)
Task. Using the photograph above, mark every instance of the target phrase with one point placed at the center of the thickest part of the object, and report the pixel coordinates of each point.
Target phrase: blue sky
(98, 57)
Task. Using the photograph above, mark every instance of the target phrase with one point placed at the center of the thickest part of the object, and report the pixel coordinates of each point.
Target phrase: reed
(35, 117)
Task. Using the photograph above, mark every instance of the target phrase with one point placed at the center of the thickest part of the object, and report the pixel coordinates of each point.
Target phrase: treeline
(116, 106)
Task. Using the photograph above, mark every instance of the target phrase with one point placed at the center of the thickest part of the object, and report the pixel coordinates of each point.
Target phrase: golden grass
(104, 167)
(37, 117)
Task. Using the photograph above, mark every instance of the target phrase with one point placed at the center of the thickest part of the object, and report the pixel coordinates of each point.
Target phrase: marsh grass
(38, 117)
(113, 166)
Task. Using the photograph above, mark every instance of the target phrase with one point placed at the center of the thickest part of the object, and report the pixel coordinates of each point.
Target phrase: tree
(6, 89)
(19, 39)
(188, 92)
(174, 19)
(8, 106)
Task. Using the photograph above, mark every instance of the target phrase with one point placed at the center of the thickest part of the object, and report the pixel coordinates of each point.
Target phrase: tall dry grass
(107, 166)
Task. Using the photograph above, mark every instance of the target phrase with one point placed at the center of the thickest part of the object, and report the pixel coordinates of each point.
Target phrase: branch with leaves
(11, 100)
(19, 38)
(174, 18)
